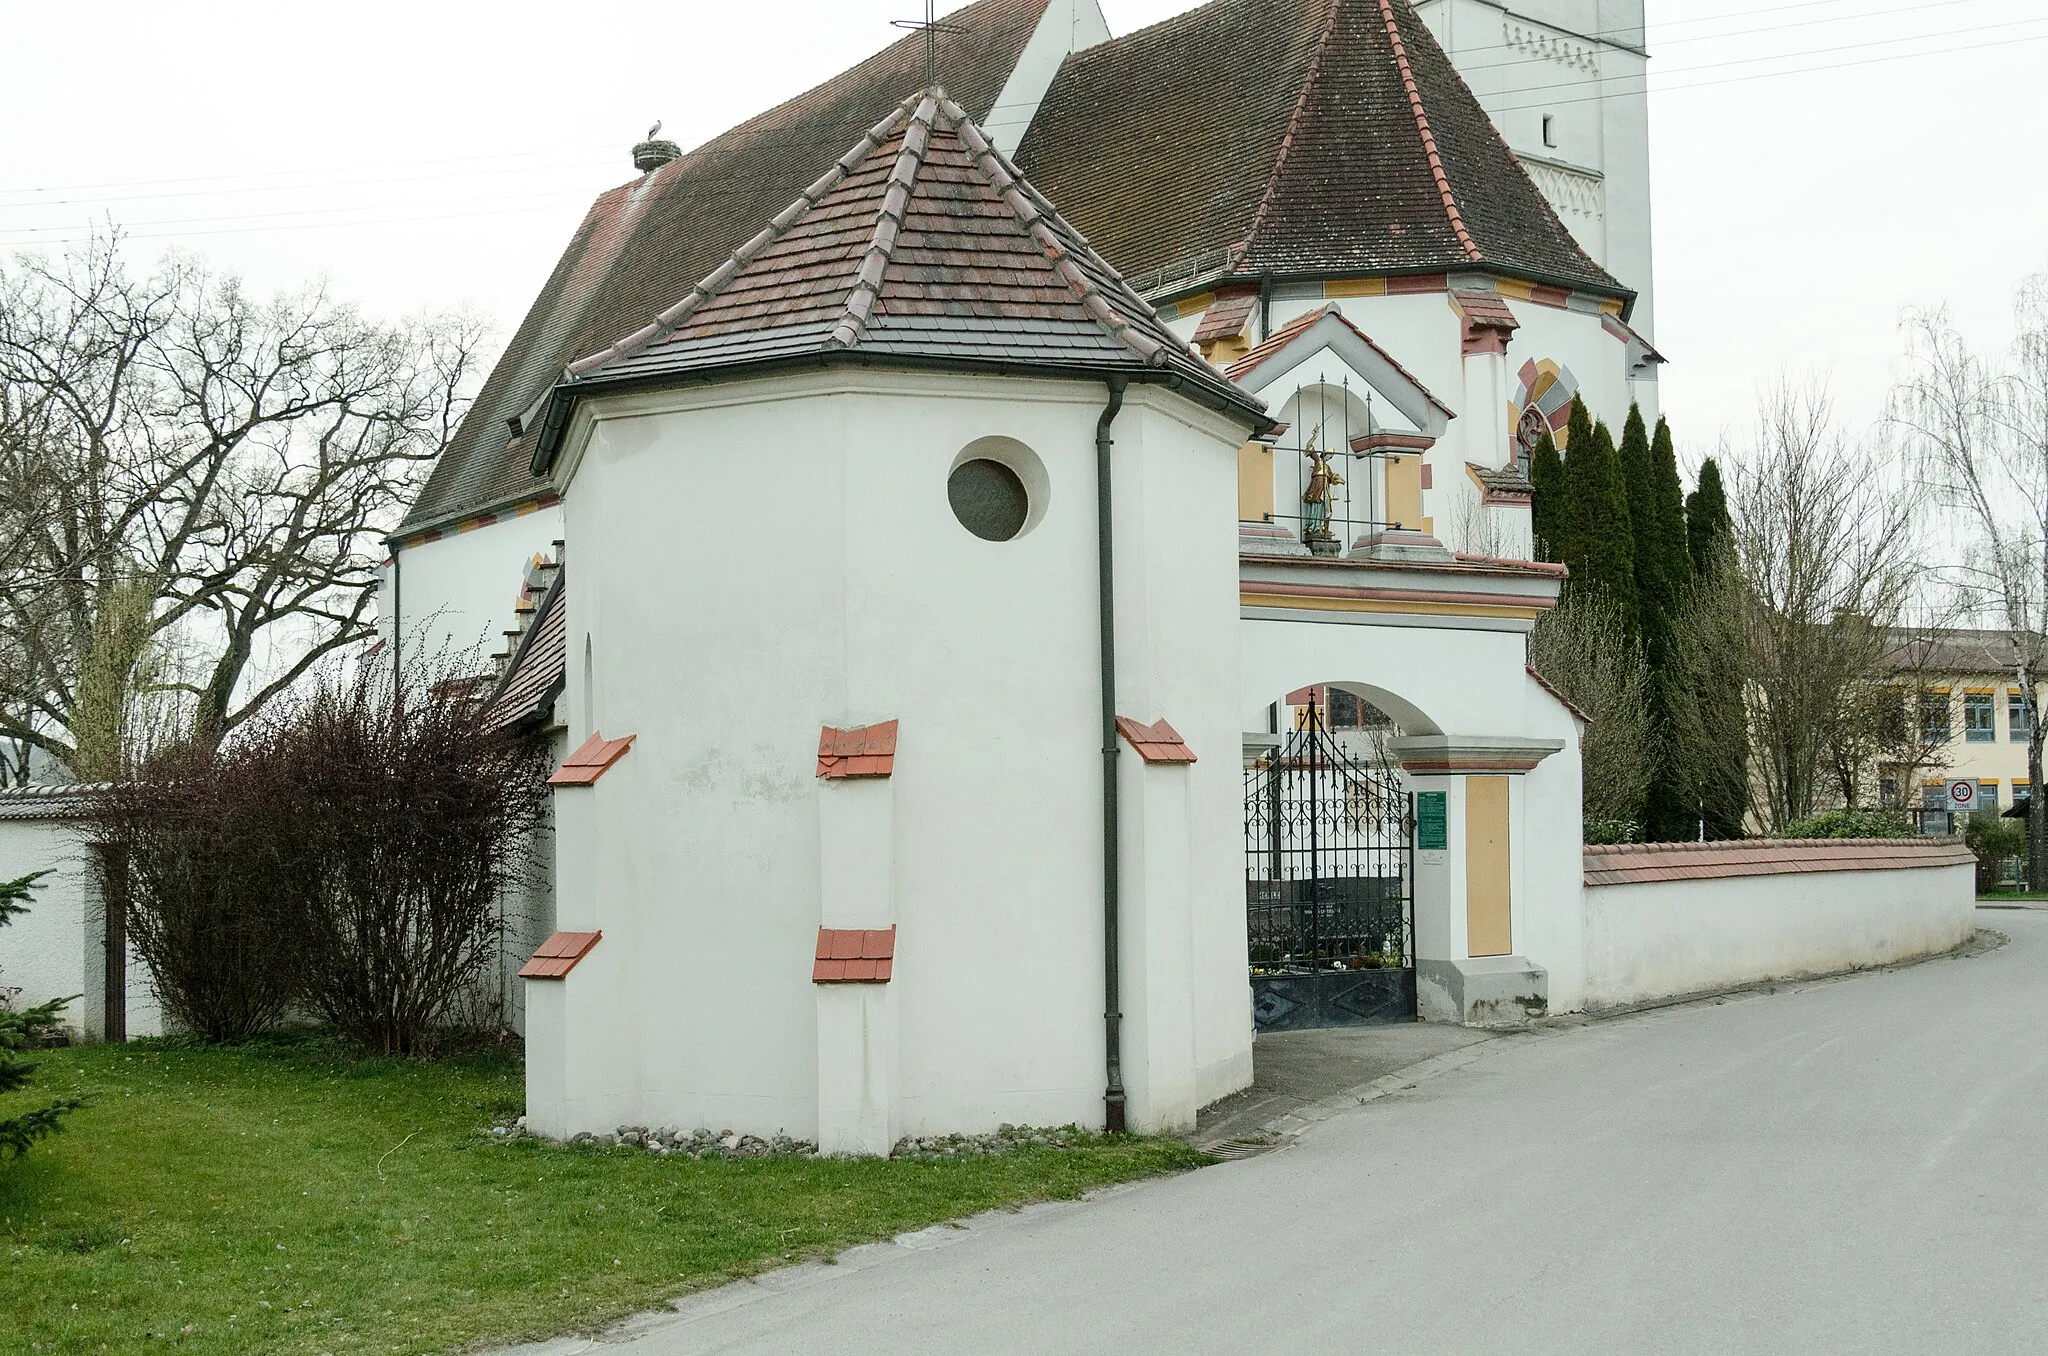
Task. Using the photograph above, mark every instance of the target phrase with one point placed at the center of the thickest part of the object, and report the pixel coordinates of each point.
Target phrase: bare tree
(1982, 430)
(1584, 650)
(233, 462)
(1825, 545)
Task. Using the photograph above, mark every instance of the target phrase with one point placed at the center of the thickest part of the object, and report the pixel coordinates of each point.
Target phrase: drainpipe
(397, 615)
(1265, 307)
(1105, 547)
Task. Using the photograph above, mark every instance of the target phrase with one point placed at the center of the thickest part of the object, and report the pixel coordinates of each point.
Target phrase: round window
(989, 499)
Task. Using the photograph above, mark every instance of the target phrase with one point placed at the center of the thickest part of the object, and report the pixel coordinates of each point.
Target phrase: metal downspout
(1105, 546)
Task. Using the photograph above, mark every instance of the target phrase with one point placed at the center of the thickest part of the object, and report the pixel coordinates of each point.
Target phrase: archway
(1330, 860)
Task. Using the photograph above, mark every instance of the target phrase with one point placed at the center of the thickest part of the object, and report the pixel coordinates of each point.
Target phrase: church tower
(1564, 81)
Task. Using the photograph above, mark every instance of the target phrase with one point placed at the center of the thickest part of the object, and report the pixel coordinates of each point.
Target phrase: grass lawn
(2009, 896)
(286, 1198)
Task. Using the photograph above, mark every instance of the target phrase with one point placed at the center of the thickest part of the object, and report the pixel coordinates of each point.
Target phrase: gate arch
(1329, 883)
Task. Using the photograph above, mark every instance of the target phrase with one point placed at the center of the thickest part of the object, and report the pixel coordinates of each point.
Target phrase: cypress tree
(1548, 503)
(1605, 540)
(1661, 532)
(1671, 524)
(1639, 484)
(1709, 530)
(1569, 518)
(1717, 691)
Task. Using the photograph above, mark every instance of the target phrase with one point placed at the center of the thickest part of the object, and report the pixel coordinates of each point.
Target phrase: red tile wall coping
(854, 956)
(1155, 743)
(591, 760)
(1644, 863)
(865, 751)
(558, 955)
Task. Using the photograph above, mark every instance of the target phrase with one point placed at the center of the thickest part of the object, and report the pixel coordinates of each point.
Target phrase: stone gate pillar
(1469, 894)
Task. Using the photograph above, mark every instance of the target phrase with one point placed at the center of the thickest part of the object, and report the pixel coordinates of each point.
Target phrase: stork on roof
(922, 247)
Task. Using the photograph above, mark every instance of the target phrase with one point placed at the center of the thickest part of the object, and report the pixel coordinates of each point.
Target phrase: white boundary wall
(1653, 939)
(57, 948)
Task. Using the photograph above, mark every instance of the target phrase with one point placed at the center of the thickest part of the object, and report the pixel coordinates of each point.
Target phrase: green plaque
(1432, 829)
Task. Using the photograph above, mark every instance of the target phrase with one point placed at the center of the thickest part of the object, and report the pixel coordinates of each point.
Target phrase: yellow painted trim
(1981, 691)
(1517, 289)
(1255, 483)
(1489, 898)
(1387, 606)
(1404, 489)
(1429, 527)
(1612, 306)
(1194, 305)
(1355, 287)
(1224, 352)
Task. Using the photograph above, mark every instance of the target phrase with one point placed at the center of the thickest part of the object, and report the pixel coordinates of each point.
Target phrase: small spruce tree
(24, 1030)
(1671, 816)
(1547, 504)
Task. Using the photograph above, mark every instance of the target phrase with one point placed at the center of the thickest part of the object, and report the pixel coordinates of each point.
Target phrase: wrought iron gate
(1329, 841)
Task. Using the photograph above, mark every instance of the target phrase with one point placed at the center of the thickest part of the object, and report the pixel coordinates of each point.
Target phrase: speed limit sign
(1962, 795)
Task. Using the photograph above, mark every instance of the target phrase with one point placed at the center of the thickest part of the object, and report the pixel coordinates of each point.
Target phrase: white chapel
(1025, 602)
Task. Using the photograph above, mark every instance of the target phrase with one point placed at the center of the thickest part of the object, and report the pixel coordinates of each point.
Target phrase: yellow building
(1973, 718)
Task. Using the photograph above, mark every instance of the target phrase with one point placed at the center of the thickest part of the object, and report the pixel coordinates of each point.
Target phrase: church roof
(1291, 137)
(643, 244)
(921, 246)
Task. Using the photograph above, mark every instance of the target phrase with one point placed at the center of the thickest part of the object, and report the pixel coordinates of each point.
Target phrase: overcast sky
(1819, 164)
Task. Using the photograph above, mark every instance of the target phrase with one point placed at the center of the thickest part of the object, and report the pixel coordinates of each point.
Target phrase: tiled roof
(538, 668)
(1645, 863)
(1227, 318)
(854, 956)
(559, 954)
(1292, 137)
(67, 800)
(1155, 743)
(921, 245)
(641, 245)
(1294, 329)
(1953, 652)
(592, 759)
(865, 751)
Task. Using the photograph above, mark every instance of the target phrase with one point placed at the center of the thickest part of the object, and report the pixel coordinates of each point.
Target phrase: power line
(254, 178)
(145, 230)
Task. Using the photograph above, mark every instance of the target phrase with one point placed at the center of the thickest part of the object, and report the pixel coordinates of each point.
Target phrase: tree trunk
(2037, 806)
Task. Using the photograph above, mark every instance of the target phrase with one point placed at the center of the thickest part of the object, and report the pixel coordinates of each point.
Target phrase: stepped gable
(922, 246)
(643, 244)
(1303, 138)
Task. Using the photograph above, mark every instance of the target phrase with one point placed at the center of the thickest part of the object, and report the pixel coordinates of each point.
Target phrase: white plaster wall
(460, 592)
(56, 949)
(1653, 941)
(763, 558)
(1549, 909)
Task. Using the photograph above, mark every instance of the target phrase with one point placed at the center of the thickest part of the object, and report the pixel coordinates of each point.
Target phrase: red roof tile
(854, 956)
(865, 751)
(591, 760)
(1647, 863)
(922, 245)
(1227, 318)
(559, 954)
(1155, 743)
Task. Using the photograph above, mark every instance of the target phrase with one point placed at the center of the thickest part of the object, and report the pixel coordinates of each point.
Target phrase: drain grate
(1241, 1148)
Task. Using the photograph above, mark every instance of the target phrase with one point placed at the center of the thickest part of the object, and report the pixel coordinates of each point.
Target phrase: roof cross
(931, 28)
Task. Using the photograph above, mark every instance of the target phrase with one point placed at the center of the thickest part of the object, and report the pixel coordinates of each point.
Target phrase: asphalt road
(1849, 1166)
